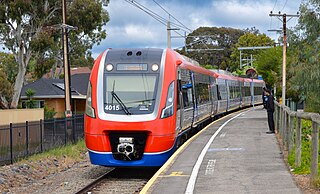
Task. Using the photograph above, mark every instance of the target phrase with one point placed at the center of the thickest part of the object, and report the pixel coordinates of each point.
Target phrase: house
(50, 92)
(73, 71)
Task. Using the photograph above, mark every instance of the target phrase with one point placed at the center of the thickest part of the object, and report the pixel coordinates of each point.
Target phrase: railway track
(120, 180)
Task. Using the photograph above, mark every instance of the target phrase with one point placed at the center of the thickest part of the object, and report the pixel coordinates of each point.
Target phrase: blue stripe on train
(106, 159)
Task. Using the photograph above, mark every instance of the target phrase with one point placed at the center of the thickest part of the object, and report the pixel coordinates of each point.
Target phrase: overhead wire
(148, 11)
(170, 15)
(163, 20)
(284, 5)
(153, 14)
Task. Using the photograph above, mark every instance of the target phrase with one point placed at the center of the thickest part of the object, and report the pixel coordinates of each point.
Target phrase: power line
(155, 15)
(170, 15)
(284, 5)
(162, 20)
(148, 11)
(274, 5)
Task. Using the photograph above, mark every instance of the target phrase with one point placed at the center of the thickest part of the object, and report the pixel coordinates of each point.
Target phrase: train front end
(130, 117)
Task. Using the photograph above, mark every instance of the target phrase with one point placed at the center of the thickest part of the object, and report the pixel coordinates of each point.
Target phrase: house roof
(54, 88)
(73, 71)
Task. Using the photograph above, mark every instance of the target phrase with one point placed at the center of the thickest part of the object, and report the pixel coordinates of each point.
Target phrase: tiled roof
(73, 71)
(54, 88)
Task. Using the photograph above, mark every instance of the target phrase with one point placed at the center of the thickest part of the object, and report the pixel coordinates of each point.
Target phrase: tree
(5, 91)
(28, 28)
(212, 38)
(30, 103)
(305, 61)
(249, 40)
(9, 66)
(8, 73)
(268, 64)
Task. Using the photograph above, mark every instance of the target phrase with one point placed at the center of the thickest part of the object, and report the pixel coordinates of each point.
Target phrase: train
(143, 103)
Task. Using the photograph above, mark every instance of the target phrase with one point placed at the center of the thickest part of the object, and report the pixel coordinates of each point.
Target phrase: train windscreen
(130, 93)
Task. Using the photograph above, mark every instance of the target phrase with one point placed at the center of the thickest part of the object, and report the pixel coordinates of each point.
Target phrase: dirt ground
(54, 175)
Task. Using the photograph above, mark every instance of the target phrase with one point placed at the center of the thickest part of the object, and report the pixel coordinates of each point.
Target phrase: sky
(130, 27)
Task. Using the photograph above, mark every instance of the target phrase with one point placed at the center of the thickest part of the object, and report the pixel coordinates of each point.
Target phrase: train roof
(189, 64)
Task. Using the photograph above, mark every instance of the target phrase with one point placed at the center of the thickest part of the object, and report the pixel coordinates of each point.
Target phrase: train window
(222, 89)
(202, 93)
(179, 89)
(186, 88)
(202, 86)
(130, 93)
(187, 94)
(218, 93)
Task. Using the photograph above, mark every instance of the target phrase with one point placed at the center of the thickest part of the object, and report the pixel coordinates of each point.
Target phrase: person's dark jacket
(270, 104)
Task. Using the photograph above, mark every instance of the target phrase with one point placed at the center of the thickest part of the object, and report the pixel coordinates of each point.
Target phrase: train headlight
(89, 109)
(109, 67)
(155, 67)
(168, 110)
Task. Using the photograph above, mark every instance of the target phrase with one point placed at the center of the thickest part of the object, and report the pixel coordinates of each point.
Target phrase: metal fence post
(54, 129)
(314, 151)
(41, 137)
(27, 138)
(73, 129)
(298, 142)
(11, 146)
(65, 130)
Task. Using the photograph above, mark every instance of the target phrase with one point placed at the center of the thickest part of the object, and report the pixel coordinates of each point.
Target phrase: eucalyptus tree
(305, 67)
(212, 46)
(30, 29)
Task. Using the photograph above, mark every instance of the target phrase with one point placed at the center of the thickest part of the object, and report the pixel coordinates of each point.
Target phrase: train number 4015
(112, 107)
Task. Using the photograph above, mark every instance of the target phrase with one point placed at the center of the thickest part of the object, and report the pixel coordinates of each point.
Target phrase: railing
(285, 118)
(25, 139)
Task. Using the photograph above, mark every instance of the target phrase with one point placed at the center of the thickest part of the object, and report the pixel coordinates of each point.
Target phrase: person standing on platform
(264, 97)
(270, 111)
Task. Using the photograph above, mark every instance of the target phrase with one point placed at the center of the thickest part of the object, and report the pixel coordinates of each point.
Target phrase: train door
(202, 97)
(228, 95)
(180, 107)
(214, 95)
(195, 101)
(187, 99)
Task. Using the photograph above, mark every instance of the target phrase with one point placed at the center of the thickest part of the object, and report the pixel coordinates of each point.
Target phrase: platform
(231, 155)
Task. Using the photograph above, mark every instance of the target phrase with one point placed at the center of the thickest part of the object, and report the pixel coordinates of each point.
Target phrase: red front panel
(160, 133)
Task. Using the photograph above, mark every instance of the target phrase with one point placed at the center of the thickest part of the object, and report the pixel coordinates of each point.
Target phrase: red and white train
(143, 103)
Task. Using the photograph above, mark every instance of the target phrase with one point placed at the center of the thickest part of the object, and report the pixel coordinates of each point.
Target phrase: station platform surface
(231, 155)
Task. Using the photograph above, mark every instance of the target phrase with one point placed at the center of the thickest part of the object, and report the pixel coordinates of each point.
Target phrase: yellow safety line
(173, 157)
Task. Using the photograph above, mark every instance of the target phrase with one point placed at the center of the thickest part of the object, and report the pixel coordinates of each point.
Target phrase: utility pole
(284, 62)
(67, 83)
(168, 34)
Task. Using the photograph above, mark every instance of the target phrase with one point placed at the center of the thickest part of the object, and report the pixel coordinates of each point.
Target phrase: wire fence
(20, 140)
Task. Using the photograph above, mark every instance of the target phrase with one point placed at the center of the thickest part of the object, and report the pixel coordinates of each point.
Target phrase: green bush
(305, 150)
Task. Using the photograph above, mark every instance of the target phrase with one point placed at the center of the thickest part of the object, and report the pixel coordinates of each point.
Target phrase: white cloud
(131, 27)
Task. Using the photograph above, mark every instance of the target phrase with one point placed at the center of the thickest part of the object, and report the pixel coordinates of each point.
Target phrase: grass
(73, 151)
(305, 153)
(305, 150)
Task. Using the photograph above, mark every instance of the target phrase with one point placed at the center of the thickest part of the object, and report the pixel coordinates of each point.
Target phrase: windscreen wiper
(123, 106)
